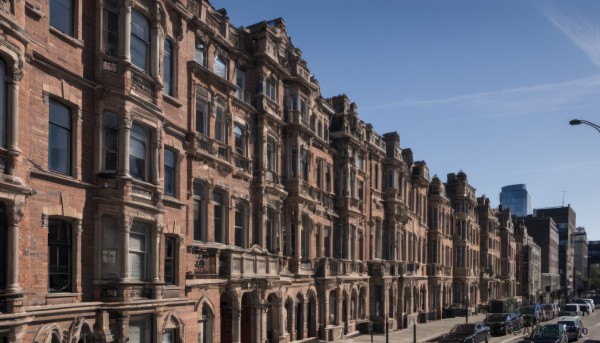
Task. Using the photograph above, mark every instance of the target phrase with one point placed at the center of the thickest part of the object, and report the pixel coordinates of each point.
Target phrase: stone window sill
(65, 37)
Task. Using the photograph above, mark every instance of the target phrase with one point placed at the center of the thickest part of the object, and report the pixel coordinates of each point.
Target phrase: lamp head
(575, 122)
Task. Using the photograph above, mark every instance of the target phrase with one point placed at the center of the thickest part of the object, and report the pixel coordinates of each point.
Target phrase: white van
(570, 310)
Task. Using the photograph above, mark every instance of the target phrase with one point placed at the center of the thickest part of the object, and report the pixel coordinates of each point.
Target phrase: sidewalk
(425, 332)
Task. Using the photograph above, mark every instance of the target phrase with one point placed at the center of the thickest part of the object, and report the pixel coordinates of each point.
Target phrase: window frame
(116, 130)
(104, 247)
(56, 24)
(240, 148)
(68, 169)
(132, 157)
(146, 328)
(271, 90)
(145, 253)
(219, 216)
(241, 226)
(173, 175)
(108, 28)
(199, 52)
(199, 208)
(65, 248)
(170, 259)
(169, 74)
(203, 118)
(220, 66)
(144, 42)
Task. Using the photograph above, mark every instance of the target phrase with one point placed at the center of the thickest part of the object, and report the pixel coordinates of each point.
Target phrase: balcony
(267, 105)
(248, 264)
(142, 85)
(296, 117)
(212, 148)
(410, 268)
(439, 270)
(301, 266)
(243, 163)
(328, 267)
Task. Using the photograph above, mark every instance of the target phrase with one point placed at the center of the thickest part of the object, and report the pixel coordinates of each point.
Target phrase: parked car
(501, 323)
(471, 333)
(591, 302)
(549, 312)
(532, 315)
(584, 307)
(574, 326)
(556, 308)
(549, 333)
(570, 310)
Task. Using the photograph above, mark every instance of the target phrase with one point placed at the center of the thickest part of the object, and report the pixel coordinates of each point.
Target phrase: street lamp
(580, 121)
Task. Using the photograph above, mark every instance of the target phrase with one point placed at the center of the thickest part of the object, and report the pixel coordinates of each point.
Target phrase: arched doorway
(289, 308)
(311, 313)
(86, 335)
(273, 318)
(249, 324)
(226, 304)
(299, 316)
(362, 301)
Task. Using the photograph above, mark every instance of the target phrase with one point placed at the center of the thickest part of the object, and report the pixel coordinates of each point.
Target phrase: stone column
(157, 233)
(124, 149)
(292, 320)
(282, 317)
(77, 127)
(304, 319)
(127, 224)
(125, 32)
(78, 229)
(12, 249)
(154, 49)
(13, 117)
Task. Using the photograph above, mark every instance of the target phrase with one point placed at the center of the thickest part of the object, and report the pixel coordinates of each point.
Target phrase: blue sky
(487, 87)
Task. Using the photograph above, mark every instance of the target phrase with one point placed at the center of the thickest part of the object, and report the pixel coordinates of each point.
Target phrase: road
(591, 322)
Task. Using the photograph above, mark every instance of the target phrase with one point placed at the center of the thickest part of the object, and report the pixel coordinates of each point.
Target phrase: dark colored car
(549, 333)
(584, 307)
(532, 315)
(468, 333)
(502, 323)
(574, 327)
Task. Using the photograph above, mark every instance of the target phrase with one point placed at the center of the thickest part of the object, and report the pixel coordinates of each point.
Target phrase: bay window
(138, 150)
(139, 250)
(111, 142)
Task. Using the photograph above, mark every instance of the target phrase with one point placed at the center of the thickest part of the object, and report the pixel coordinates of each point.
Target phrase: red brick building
(168, 177)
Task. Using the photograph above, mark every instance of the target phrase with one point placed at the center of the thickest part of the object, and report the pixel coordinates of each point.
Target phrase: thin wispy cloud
(513, 101)
(583, 33)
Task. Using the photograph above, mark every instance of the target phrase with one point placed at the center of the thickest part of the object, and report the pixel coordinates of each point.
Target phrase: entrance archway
(249, 323)
(311, 313)
(226, 304)
(345, 312)
(299, 317)
(273, 318)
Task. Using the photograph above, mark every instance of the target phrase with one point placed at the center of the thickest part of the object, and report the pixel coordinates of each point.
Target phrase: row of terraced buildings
(168, 177)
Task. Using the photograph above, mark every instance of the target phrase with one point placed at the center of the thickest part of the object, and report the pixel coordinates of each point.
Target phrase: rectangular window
(109, 267)
(62, 13)
(202, 115)
(220, 66)
(170, 259)
(327, 242)
(271, 234)
(271, 155)
(240, 139)
(328, 178)
(170, 171)
(140, 41)
(138, 150)
(240, 81)
(199, 205)
(199, 52)
(219, 216)
(111, 142)
(168, 67)
(140, 330)
(138, 250)
(220, 124)
(110, 28)
(241, 218)
(59, 154)
(59, 256)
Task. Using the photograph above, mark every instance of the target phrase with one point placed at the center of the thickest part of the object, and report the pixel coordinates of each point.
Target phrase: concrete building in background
(544, 232)
(593, 254)
(565, 220)
(580, 242)
(517, 199)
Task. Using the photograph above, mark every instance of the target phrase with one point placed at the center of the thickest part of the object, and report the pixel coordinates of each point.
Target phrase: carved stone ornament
(18, 216)
(17, 74)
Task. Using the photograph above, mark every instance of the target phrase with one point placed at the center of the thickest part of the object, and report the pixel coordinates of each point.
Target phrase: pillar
(157, 233)
(156, 147)
(125, 137)
(13, 117)
(155, 43)
(12, 250)
(127, 223)
(78, 248)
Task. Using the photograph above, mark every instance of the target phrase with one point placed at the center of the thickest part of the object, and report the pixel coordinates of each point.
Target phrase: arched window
(140, 41)
(205, 333)
(138, 148)
(168, 67)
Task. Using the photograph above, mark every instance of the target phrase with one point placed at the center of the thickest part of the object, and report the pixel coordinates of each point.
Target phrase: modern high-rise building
(544, 232)
(517, 199)
(565, 219)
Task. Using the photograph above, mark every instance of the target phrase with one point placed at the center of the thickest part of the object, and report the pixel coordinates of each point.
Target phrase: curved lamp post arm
(589, 123)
